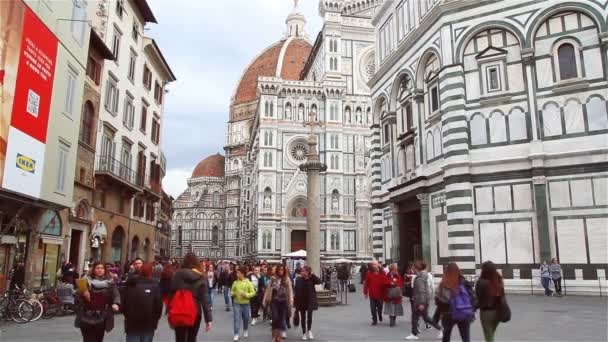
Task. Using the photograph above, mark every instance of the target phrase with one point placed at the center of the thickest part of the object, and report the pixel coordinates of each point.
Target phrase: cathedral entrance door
(298, 240)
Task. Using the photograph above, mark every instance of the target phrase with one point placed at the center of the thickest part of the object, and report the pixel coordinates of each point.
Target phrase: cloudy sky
(208, 44)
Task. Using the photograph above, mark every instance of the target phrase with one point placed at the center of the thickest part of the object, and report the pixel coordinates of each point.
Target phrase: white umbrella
(341, 261)
(298, 254)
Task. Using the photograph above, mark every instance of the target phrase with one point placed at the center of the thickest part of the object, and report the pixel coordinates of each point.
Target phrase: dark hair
(495, 284)
(167, 271)
(451, 278)
(137, 259)
(94, 265)
(191, 261)
(419, 265)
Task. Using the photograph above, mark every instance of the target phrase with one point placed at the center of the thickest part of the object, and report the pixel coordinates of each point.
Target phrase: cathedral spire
(295, 22)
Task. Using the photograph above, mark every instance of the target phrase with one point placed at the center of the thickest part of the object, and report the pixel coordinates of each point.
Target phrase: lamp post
(313, 167)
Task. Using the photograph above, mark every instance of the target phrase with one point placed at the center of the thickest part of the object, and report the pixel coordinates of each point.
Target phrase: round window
(298, 151)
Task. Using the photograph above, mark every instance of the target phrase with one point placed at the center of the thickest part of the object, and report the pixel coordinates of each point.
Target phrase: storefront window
(45, 265)
(50, 223)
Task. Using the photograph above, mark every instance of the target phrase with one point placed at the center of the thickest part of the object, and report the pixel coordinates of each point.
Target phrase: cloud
(208, 44)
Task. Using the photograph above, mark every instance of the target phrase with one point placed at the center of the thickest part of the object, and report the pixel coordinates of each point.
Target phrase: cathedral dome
(212, 166)
(285, 59)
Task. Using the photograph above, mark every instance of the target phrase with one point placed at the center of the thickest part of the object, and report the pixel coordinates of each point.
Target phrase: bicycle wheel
(21, 311)
(37, 308)
(48, 310)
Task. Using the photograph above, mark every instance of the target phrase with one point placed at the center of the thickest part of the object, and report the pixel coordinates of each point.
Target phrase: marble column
(425, 227)
(313, 167)
(395, 250)
(542, 217)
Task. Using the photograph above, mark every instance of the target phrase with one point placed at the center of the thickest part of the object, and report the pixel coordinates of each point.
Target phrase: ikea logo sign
(26, 164)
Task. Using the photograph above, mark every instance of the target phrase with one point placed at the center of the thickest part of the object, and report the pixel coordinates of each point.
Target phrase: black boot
(392, 321)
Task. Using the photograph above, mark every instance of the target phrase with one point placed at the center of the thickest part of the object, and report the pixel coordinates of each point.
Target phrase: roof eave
(145, 10)
(98, 44)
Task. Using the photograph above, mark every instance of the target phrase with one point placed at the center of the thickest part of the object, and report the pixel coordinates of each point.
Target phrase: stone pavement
(535, 318)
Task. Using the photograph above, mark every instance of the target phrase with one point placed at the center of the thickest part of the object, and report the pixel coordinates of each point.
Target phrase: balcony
(152, 186)
(112, 170)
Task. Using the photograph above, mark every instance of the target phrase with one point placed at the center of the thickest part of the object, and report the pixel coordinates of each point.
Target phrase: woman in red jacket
(392, 304)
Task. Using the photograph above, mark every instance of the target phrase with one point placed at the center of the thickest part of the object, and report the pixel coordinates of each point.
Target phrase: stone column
(542, 217)
(395, 250)
(425, 227)
(313, 167)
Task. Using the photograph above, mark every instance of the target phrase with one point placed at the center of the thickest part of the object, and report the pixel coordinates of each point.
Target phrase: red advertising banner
(34, 78)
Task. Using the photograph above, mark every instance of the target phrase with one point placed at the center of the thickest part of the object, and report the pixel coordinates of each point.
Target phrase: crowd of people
(456, 299)
(264, 292)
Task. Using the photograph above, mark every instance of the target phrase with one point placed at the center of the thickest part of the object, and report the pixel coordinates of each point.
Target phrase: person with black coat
(490, 292)
(305, 299)
(142, 306)
(190, 278)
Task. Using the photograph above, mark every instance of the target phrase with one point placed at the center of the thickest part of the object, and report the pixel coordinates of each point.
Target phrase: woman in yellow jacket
(242, 291)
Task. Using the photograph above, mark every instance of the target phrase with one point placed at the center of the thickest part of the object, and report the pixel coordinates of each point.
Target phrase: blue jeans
(140, 337)
(241, 314)
(227, 298)
(211, 295)
(546, 281)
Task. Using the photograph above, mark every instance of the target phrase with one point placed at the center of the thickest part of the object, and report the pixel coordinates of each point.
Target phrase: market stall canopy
(297, 254)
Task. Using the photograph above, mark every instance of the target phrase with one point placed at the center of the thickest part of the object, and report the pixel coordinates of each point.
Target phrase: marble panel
(502, 198)
(571, 241)
(522, 196)
(582, 195)
(492, 236)
(519, 239)
(560, 194)
(443, 239)
(600, 191)
(483, 200)
(597, 235)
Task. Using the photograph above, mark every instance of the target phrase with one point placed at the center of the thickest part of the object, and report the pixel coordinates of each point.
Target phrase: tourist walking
(422, 293)
(142, 305)
(490, 292)
(242, 291)
(257, 280)
(279, 296)
(98, 300)
(457, 302)
(305, 300)
(374, 288)
(556, 276)
(212, 278)
(226, 278)
(393, 305)
(545, 278)
(188, 302)
(165, 282)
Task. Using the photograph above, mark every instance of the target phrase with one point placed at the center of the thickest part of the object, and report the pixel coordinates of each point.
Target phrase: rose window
(299, 152)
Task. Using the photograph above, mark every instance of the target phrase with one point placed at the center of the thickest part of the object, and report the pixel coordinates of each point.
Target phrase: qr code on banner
(33, 103)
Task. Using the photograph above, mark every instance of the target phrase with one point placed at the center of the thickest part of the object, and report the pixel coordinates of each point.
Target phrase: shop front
(47, 253)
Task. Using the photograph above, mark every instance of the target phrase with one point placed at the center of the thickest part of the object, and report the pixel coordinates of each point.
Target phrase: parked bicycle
(14, 308)
(20, 292)
(57, 302)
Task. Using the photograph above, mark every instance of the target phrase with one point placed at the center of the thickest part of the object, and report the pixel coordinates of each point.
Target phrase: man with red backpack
(188, 301)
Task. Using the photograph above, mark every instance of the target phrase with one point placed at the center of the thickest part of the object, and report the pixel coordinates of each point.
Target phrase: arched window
(518, 129)
(335, 201)
(566, 56)
(117, 238)
(266, 109)
(288, 111)
(267, 240)
(267, 159)
(347, 115)
(437, 143)
(271, 109)
(87, 128)
(498, 128)
(134, 248)
(335, 240)
(478, 133)
(597, 113)
(359, 116)
(267, 198)
(552, 122)
(216, 199)
(430, 151)
(573, 117)
(235, 164)
(215, 236)
(300, 112)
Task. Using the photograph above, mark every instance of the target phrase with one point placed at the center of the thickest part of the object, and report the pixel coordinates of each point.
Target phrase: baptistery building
(490, 133)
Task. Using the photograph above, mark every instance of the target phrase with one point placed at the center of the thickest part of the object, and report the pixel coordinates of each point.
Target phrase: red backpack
(182, 309)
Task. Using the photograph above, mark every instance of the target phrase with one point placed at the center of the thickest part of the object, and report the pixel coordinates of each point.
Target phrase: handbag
(296, 318)
(352, 288)
(394, 293)
(503, 311)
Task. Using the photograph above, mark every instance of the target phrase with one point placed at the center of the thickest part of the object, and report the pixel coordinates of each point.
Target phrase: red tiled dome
(212, 166)
(265, 65)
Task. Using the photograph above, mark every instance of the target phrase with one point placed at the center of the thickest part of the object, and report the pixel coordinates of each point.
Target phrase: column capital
(539, 180)
(423, 199)
(527, 56)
